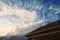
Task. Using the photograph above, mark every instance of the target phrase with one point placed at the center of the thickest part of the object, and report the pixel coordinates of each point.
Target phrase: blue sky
(25, 12)
(35, 5)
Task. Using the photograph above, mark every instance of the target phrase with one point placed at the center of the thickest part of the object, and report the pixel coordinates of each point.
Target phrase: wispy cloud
(10, 20)
(24, 15)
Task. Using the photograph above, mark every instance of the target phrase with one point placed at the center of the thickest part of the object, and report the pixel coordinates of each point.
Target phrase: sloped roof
(50, 25)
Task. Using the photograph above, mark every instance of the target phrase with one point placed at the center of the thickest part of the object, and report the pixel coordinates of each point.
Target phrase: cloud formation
(24, 14)
(27, 15)
(14, 16)
(5, 26)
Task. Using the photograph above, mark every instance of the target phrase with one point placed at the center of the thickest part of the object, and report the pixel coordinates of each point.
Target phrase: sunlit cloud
(5, 26)
(22, 17)
(9, 22)
(22, 13)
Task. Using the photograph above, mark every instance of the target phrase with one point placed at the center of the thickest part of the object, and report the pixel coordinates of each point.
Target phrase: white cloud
(25, 16)
(5, 26)
(57, 9)
(23, 13)
(30, 27)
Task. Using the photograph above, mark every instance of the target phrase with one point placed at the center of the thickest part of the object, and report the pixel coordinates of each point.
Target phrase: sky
(28, 15)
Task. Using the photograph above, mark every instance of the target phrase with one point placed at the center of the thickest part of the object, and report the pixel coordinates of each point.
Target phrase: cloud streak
(22, 13)
(25, 15)
(6, 15)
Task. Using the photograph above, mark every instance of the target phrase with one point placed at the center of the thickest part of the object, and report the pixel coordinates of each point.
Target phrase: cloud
(26, 28)
(5, 26)
(55, 8)
(21, 12)
(6, 15)
(22, 17)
